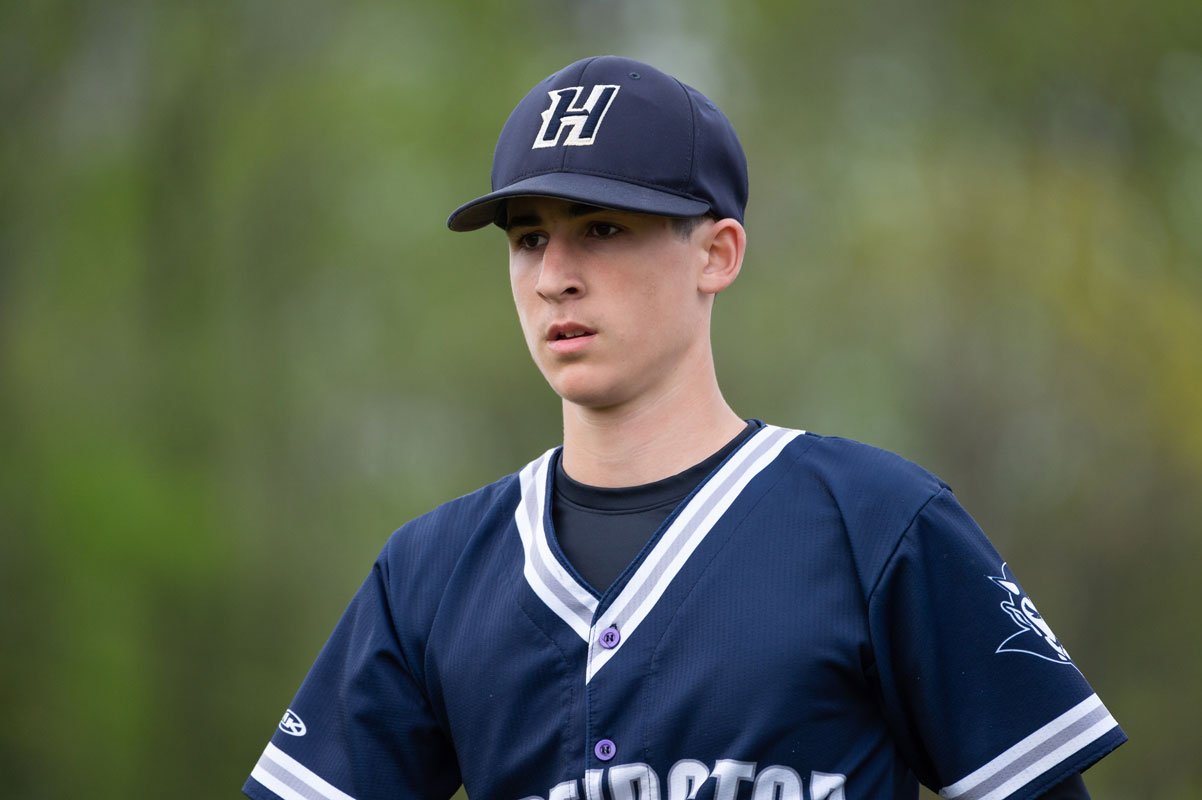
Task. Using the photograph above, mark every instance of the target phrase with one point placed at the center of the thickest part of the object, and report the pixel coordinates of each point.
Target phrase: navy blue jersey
(818, 620)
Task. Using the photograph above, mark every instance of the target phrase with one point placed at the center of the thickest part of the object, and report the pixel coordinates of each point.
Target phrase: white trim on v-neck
(575, 604)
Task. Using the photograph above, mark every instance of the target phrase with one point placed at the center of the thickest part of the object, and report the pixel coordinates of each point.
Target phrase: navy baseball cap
(615, 133)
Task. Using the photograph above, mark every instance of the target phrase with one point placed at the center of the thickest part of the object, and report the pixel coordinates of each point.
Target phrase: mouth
(568, 337)
(567, 331)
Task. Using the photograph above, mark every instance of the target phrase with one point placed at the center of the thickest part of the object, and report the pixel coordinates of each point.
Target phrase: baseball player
(677, 603)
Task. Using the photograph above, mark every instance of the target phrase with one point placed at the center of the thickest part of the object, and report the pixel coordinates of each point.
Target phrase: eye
(529, 241)
(603, 230)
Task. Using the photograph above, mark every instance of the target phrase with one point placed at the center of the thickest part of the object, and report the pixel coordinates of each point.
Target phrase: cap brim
(591, 189)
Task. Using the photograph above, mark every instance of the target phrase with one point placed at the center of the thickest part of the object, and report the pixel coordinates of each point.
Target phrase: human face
(609, 301)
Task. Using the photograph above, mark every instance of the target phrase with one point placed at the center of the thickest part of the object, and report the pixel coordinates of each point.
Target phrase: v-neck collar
(632, 597)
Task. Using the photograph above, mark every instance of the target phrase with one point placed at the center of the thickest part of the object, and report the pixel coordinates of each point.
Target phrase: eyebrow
(534, 220)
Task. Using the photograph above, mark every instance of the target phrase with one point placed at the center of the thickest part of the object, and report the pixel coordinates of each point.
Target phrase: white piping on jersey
(570, 601)
(1069, 733)
(291, 780)
(575, 605)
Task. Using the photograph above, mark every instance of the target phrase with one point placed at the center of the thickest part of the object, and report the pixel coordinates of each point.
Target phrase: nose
(559, 276)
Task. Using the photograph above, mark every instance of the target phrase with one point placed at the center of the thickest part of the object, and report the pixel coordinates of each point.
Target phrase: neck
(645, 442)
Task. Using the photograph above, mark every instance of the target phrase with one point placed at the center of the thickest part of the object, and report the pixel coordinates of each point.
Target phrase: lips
(566, 331)
(568, 337)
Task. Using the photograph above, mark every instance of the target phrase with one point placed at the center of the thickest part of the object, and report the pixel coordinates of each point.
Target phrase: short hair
(684, 226)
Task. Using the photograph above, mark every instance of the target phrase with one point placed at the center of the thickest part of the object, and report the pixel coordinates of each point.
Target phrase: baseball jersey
(601, 530)
(818, 620)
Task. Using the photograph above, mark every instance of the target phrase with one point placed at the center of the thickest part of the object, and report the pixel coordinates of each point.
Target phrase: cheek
(527, 326)
(520, 300)
(672, 308)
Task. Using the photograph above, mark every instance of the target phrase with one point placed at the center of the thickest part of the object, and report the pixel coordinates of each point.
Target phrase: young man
(677, 603)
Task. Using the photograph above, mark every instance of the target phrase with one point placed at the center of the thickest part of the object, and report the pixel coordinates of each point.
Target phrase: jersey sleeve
(360, 727)
(982, 698)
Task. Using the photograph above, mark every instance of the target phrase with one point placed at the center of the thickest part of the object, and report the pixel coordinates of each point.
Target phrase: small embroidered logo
(1034, 636)
(291, 724)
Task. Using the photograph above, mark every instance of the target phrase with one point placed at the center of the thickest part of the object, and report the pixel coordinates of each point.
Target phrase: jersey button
(609, 637)
(605, 750)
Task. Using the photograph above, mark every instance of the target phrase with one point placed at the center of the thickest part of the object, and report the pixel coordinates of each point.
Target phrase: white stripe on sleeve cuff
(291, 780)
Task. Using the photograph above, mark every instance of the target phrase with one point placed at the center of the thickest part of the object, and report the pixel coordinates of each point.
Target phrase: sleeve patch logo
(291, 724)
(1034, 636)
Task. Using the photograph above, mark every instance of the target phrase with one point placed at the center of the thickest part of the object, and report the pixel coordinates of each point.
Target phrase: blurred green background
(238, 346)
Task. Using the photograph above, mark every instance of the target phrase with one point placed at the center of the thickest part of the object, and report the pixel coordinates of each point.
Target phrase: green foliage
(238, 346)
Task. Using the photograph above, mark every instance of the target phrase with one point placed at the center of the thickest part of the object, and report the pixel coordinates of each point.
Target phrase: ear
(725, 241)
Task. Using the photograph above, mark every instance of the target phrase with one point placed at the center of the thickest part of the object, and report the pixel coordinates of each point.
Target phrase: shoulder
(422, 560)
(860, 476)
(871, 495)
(446, 530)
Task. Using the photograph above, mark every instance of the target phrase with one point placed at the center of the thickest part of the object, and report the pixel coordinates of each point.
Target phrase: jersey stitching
(888, 562)
(874, 680)
(417, 678)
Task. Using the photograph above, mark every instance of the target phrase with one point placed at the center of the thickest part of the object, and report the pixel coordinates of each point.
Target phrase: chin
(596, 400)
(594, 394)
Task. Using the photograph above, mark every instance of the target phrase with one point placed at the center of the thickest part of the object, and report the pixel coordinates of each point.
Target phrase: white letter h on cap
(582, 121)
